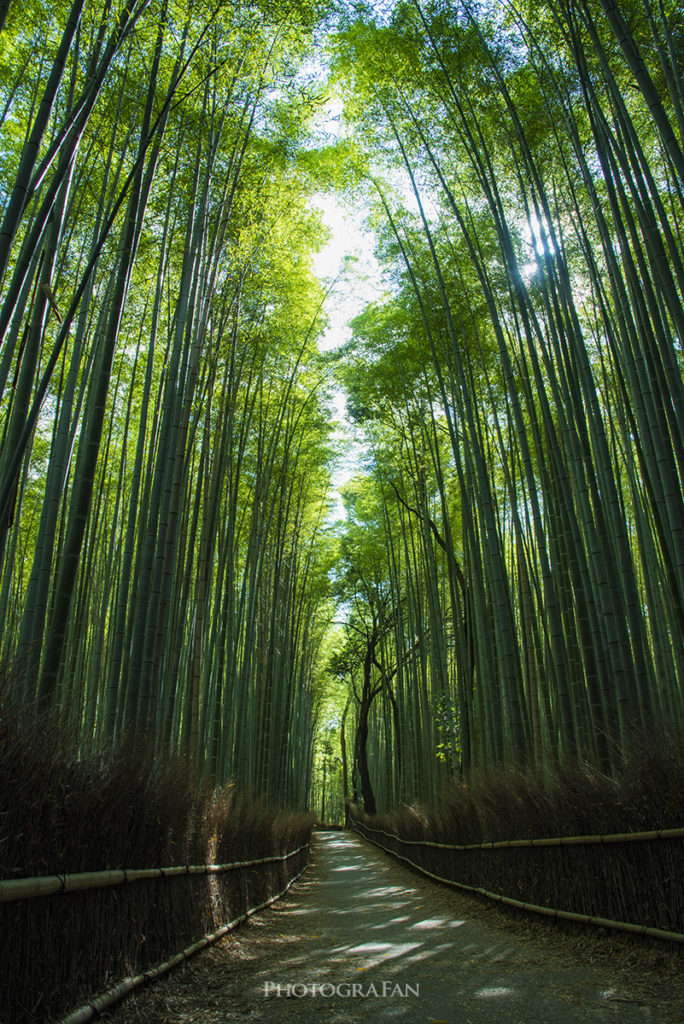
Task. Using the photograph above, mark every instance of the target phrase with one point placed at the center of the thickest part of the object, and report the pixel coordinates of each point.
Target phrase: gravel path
(359, 938)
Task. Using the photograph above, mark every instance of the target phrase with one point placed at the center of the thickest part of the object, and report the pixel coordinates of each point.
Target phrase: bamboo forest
(506, 583)
(341, 438)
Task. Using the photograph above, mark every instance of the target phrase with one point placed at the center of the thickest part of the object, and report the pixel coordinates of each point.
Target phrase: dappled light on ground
(360, 942)
(489, 993)
(360, 939)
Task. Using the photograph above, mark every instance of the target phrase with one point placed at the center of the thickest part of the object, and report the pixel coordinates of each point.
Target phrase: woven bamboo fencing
(72, 935)
(94, 1007)
(631, 882)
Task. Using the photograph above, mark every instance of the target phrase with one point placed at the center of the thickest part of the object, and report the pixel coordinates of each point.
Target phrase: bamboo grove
(511, 566)
(513, 556)
(165, 449)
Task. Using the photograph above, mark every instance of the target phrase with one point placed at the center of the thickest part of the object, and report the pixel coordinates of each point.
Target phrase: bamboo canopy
(502, 588)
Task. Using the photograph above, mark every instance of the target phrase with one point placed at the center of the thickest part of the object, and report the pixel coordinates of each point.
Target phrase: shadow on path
(359, 938)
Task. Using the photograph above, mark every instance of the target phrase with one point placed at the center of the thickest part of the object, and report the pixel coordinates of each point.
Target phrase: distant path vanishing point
(360, 938)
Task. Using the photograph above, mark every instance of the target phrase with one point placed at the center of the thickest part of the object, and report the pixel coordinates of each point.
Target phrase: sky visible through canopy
(347, 262)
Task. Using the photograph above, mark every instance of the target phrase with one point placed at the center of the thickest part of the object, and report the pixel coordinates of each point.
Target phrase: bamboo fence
(615, 837)
(593, 886)
(98, 1004)
(94, 927)
(47, 885)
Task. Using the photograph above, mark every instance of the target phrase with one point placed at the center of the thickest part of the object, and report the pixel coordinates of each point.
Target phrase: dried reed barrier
(99, 1004)
(577, 879)
(565, 842)
(67, 814)
(93, 930)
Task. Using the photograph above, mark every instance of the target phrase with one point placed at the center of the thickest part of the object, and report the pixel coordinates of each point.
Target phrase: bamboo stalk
(617, 837)
(113, 995)
(565, 915)
(13, 889)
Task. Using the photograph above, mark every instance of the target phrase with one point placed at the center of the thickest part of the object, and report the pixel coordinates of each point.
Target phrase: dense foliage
(164, 475)
(520, 386)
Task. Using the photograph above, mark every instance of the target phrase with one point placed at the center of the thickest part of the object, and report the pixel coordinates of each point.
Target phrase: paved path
(359, 938)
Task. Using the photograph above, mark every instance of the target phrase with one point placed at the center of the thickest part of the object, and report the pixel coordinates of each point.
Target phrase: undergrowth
(68, 808)
(510, 802)
(639, 883)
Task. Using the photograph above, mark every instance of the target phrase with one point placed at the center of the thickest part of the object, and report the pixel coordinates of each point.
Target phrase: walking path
(360, 938)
